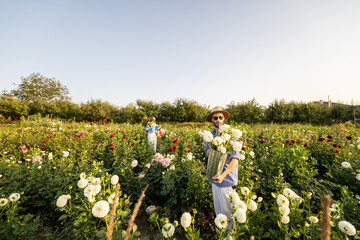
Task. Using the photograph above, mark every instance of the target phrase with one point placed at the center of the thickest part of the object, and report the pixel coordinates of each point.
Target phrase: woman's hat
(217, 110)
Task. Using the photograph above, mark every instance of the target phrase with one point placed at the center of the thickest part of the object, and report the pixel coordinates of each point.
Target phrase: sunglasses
(220, 118)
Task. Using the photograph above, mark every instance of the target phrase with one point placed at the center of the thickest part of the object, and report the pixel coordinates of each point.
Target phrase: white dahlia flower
(82, 183)
(97, 181)
(241, 204)
(90, 180)
(208, 136)
(226, 137)
(185, 220)
(237, 146)
(222, 149)
(88, 190)
(61, 201)
(111, 199)
(240, 215)
(82, 175)
(168, 230)
(281, 199)
(201, 133)
(114, 179)
(236, 133)
(233, 194)
(3, 202)
(288, 192)
(284, 210)
(97, 188)
(150, 208)
(100, 209)
(347, 228)
(65, 153)
(217, 141)
(252, 205)
(345, 165)
(313, 219)
(225, 128)
(221, 221)
(14, 197)
(285, 219)
(91, 197)
(245, 191)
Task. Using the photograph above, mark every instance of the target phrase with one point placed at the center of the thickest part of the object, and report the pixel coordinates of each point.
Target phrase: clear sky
(210, 51)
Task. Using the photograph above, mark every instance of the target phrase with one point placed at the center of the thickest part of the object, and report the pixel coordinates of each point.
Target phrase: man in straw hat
(225, 182)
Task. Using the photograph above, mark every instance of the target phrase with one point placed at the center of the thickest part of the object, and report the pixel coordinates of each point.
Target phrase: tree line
(38, 95)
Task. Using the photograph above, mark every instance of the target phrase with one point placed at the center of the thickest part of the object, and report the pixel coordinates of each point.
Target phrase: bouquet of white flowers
(220, 146)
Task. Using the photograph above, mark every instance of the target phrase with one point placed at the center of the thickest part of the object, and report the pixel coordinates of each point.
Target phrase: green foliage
(279, 112)
(15, 225)
(43, 157)
(247, 112)
(12, 107)
(95, 110)
(37, 86)
(78, 218)
(188, 111)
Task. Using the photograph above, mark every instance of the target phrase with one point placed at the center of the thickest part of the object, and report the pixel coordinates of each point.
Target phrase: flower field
(58, 181)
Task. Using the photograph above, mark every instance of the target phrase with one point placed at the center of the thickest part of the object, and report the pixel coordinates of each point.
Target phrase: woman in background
(151, 129)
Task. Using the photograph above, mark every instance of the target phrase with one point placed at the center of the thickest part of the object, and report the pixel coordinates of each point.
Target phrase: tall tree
(247, 112)
(38, 87)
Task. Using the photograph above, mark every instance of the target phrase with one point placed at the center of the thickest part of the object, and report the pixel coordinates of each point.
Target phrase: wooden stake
(325, 218)
(133, 215)
(110, 228)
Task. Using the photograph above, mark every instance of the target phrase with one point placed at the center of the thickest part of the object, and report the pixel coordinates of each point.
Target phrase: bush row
(181, 110)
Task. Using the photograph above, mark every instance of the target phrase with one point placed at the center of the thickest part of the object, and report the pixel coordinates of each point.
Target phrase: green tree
(67, 110)
(188, 111)
(146, 108)
(338, 112)
(95, 110)
(36, 87)
(299, 110)
(317, 113)
(247, 112)
(279, 112)
(166, 112)
(128, 114)
(12, 107)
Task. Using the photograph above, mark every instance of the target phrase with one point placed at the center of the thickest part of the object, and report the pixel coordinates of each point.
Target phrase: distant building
(331, 104)
(327, 104)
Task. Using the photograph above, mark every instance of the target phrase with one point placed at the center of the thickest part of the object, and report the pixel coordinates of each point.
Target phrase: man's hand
(218, 178)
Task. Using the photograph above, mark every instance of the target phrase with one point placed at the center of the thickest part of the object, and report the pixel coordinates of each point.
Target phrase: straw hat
(217, 110)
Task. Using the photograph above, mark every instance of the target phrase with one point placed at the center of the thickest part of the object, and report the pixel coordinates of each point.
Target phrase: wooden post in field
(133, 215)
(110, 228)
(325, 218)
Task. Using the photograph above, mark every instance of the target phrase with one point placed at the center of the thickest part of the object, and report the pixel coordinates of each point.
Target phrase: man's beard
(216, 126)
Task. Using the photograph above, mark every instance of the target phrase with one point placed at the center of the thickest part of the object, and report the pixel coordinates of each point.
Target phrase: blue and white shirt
(232, 178)
(152, 129)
